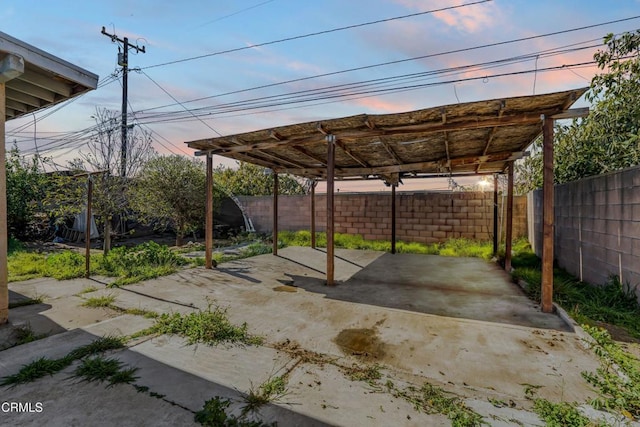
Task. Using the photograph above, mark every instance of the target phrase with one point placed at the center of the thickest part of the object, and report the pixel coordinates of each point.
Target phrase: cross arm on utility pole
(123, 61)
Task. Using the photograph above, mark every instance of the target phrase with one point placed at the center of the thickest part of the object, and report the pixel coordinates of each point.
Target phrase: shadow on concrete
(468, 288)
(169, 395)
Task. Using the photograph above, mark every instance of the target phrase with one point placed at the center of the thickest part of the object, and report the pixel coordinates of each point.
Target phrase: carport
(30, 80)
(476, 138)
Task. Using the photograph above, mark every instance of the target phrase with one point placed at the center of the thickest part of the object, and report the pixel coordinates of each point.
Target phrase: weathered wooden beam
(408, 167)
(350, 153)
(330, 208)
(573, 113)
(495, 215)
(309, 154)
(547, 216)
(275, 212)
(391, 152)
(208, 227)
(313, 214)
(393, 219)
(4, 236)
(508, 239)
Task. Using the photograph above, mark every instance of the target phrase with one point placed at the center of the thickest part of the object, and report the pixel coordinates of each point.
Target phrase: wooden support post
(496, 238)
(208, 232)
(547, 216)
(275, 212)
(393, 219)
(508, 237)
(87, 229)
(313, 215)
(4, 236)
(330, 208)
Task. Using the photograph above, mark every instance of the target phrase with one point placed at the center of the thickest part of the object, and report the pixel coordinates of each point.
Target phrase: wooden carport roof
(458, 139)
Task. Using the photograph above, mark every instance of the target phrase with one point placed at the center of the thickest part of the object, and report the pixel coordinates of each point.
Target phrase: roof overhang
(459, 139)
(35, 79)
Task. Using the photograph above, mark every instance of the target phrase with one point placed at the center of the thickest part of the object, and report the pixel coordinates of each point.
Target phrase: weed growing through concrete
(29, 301)
(214, 414)
(617, 378)
(87, 290)
(26, 335)
(44, 366)
(434, 400)
(99, 368)
(369, 374)
(560, 414)
(272, 390)
(210, 326)
(101, 301)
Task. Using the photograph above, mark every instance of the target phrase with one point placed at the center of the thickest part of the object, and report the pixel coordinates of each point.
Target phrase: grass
(612, 302)
(273, 389)
(453, 247)
(210, 326)
(29, 301)
(214, 414)
(99, 368)
(26, 335)
(618, 377)
(101, 301)
(44, 366)
(560, 414)
(431, 399)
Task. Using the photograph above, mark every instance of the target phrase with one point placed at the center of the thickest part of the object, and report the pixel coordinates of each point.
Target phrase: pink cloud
(378, 105)
(470, 19)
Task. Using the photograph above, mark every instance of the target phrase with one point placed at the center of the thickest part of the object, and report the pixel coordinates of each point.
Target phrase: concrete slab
(362, 321)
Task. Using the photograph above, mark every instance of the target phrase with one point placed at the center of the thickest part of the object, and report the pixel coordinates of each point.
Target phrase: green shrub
(65, 265)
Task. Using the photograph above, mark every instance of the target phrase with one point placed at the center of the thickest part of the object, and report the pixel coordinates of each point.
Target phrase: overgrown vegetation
(100, 368)
(452, 247)
(214, 414)
(101, 301)
(618, 377)
(210, 326)
(431, 399)
(612, 303)
(44, 366)
(560, 414)
(25, 334)
(273, 389)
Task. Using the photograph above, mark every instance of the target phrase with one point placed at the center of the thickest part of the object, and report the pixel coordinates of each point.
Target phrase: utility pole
(123, 61)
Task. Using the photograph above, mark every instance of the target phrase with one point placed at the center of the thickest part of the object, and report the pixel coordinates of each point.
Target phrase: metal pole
(275, 213)
(87, 229)
(208, 232)
(330, 219)
(547, 216)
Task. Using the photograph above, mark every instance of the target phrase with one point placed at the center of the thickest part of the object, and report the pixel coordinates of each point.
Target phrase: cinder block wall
(424, 217)
(597, 227)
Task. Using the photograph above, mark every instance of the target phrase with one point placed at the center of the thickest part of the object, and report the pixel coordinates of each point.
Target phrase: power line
(399, 61)
(349, 27)
(234, 13)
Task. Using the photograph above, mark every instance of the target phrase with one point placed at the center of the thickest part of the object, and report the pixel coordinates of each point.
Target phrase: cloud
(469, 19)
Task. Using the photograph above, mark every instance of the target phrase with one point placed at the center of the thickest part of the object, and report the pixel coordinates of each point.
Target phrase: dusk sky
(216, 86)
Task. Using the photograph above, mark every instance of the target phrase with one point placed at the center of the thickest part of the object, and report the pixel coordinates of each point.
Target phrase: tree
(252, 180)
(25, 188)
(609, 138)
(170, 191)
(104, 154)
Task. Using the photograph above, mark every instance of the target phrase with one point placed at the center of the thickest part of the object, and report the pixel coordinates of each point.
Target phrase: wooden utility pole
(123, 61)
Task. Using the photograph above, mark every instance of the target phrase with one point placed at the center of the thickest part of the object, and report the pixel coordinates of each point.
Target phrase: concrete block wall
(597, 227)
(424, 217)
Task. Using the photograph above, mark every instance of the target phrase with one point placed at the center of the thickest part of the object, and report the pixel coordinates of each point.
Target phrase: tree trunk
(107, 237)
(179, 239)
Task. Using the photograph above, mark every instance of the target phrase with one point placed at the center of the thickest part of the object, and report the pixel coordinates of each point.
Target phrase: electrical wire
(333, 30)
